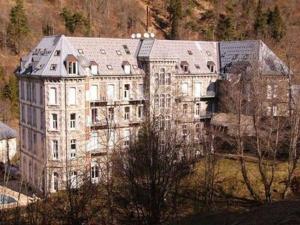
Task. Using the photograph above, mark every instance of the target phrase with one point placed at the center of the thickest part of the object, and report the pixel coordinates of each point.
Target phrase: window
(190, 52)
(54, 121)
(72, 67)
(73, 182)
(168, 122)
(53, 66)
(55, 181)
(29, 115)
(211, 66)
(94, 172)
(141, 91)
(162, 78)
(28, 91)
(118, 52)
(156, 100)
(275, 113)
(111, 91)
(126, 113)
(52, 96)
(23, 90)
(73, 149)
(126, 138)
(94, 92)
(34, 117)
(95, 115)
(23, 113)
(168, 79)
(197, 109)
(72, 96)
(162, 100)
(55, 149)
(73, 120)
(156, 79)
(80, 51)
(94, 141)
(111, 140)
(126, 49)
(185, 108)
(102, 51)
(41, 94)
(34, 142)
(184, 132)
(109, 67)
(140, 111)
(111, 113)
(33, 92)
(197, 90)
(197, 66)
(168, 100)
(57, 53)
(42, 121)
(126, 91)
(272, 91)
(184, 88)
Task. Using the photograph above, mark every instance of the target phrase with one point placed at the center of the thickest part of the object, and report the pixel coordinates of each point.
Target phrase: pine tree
(276, 24)
(175, 11)
(74, 20)
(225, 29)
(260, 24)
(18, 28)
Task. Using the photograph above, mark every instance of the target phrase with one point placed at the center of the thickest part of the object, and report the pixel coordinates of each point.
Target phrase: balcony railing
(203, 115)
(208, 94)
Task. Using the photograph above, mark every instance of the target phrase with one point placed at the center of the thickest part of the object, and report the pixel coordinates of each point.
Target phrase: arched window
(156, 79)
(156, 101)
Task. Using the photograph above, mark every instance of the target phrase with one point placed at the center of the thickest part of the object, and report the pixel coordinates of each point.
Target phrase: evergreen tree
(18, 28)
(175, 10)
(260, 24)
(225, 29)
(276, 24)
(74, 20)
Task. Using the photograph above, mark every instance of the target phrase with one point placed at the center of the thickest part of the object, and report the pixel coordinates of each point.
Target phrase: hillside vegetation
(24, 22)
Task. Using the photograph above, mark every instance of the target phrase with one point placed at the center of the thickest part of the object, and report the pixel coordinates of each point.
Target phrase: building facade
(81, 98)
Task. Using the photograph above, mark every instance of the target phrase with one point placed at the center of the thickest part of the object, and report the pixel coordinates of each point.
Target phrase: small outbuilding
(8, 143)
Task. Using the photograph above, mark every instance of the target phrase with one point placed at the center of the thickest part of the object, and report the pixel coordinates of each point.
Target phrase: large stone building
(80, 98)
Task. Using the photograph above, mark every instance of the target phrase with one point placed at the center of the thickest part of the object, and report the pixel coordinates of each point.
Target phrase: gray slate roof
(6, 132)
(111, 54)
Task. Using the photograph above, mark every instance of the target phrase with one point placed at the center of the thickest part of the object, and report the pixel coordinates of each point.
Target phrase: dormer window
(208, 53)
(185, 66)
(190, 52)
(126, 67)
(53, 66)
(80, 51)
(71, 64)
(109, 67)
(211, 66)
(102, 51)
(57, 53)
(197, 66)
(118, 52)
(126, 49)
(94, 68)
(135, 67)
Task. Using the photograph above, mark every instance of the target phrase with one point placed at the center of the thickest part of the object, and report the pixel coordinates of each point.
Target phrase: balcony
(203, 115)
(101, 102)
(208, 95)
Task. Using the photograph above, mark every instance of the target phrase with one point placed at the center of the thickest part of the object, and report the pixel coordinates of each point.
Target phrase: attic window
(208, 53)
(134, 67)
(190, 52)
(71, 64)
(235, 57)
(126, 49)
(80, 51)
(127, 67)
(57, 53)
(118, 52)
(245, 57)
(94, 68)
(53, 66)
(197, 66)
(211, 66)
(102, 51)
(109, 67)
(185, 66)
